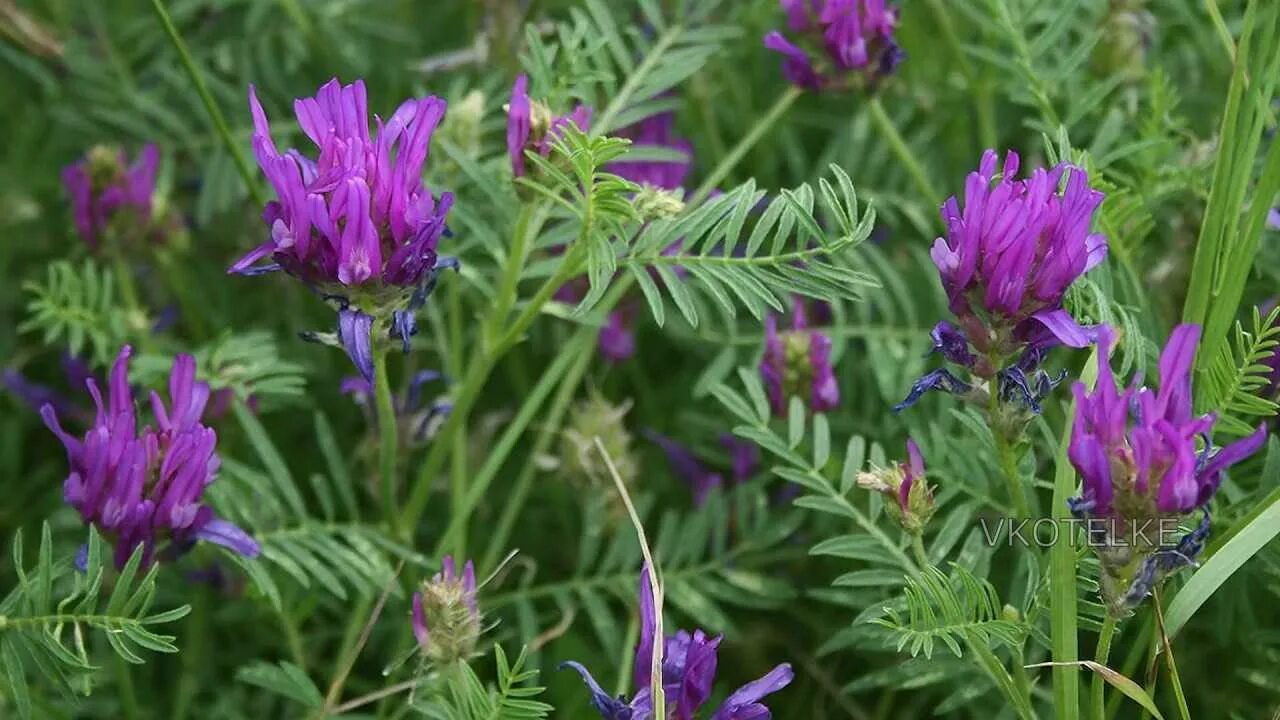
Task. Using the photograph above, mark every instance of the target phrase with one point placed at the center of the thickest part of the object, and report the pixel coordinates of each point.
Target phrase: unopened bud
(446, 617)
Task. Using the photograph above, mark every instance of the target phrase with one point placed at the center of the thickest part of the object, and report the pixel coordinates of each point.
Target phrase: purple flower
(798, 362)
(1015, 248)
(446, 614)
(846, 40)
(356, 220)
(145, 488)
(1273, 219)
(688, 674)
(1137, 447)
(531, 127)
(655, 131)
(912, 471)
(100, 186)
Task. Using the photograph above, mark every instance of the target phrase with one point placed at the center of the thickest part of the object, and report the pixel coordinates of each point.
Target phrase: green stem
(510, 273)
(210, 106)
(388, 437)
(473, 383)
(917, 550)
(992, 665)
(511, 435)
(899, 148)
(1184, 711)
(137, 315)
(1102, 657)
(128, 698)
(1005, 455)
(975, 85)
(748, 141)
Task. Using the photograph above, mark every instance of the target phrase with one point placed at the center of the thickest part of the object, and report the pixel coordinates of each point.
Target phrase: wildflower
(846, 41)
(356, 223)
(1273, 219)
(1008, 258)
(532, 127)
(688, 674)
(446, 616)
(102, 189)
(145, 488)
(744, 456)
(1136, 453)
(419, 422)
(798, 362)
(910, 497)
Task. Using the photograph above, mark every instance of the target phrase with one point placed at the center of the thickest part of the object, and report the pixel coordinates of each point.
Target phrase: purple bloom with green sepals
(532, 127)
(355, 222)
(798, 362)
(688, 671)
(145, 488)
(101, 186)
(1014, 248)
(845, 41)
(1136, 452)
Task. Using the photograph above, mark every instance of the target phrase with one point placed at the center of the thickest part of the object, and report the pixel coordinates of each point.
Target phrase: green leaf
(285, 679)
(1117, 680)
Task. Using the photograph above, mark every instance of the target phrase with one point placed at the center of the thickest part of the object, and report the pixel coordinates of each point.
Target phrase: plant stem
(1008, 463)
(137, 315)
(1183, 711)
(899, 148)
(210, 106)
(1102, 657)
(731, 160)
(128, 698)
(388, 437)
(917, 550)
(473, 383)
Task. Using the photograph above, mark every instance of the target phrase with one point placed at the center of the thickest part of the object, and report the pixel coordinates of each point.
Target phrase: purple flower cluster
(1136, 454)
(798, 362)
(744, 459)
(848, 38)
(357, 220)
(688, 675)
(1009, 256)
(145, 488)
(531, 127)
(101, 186)
(1136, 449)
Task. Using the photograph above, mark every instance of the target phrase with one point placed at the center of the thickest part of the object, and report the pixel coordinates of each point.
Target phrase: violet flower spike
(1153, 434)
(99, 186)
(849, 38)
(145, 488)
(798, 362)
(688, 663)
(687, 466)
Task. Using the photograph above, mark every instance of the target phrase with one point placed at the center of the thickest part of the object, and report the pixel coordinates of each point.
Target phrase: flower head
(846, 41)
(102, 188)
(798, 362)
(1007, 260)
(355, 222)
(688, 672)
(532, 127)
(446, 615)
(1136, 452)
(145, 488)
(910, 499)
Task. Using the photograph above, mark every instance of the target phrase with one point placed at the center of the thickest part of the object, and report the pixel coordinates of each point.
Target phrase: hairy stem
(1005, 456)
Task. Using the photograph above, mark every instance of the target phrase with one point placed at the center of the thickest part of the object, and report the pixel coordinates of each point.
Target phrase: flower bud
(446, 617)
(580, 459)
(909, 497)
